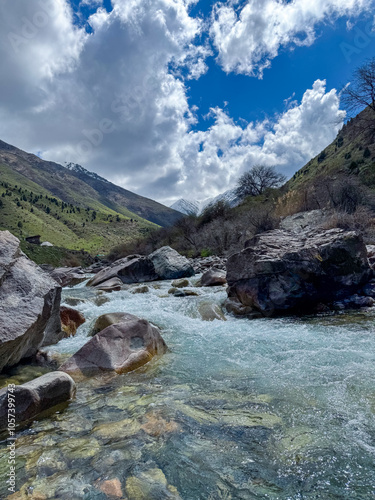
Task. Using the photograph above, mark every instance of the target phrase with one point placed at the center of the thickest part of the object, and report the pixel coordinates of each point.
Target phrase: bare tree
(361, 92)
(257, 180)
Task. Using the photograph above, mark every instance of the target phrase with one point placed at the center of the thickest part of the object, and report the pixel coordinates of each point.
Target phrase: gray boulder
(36, 396)
(109, 319)
(285, 272)
(119, 348)
(68, 276)
(214, 277)
(29, 304)
(170, 265)
(132, 269)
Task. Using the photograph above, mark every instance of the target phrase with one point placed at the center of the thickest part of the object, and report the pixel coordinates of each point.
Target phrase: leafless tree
(257, 180)
(361, 92)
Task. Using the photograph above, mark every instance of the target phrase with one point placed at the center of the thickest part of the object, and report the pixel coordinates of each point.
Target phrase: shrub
(366, 153)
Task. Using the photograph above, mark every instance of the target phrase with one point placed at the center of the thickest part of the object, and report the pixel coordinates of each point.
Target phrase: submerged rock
(286, 272)
(119, 348)
(36, 396)
(111, 487)
(180, 283)
(210, 311)
(170, 265)
(29, 304)
(141, 289)
(214, 277)
(70, 320)
(150, 484)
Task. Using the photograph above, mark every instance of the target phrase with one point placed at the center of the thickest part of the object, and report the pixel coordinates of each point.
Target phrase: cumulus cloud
(248, 38)
(221, 154)
(114, 99)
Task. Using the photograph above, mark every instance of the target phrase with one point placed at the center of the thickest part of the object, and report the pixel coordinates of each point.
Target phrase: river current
(279, 409)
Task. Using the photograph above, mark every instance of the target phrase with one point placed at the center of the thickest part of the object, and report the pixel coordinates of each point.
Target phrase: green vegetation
(56, 256)
(27, 209)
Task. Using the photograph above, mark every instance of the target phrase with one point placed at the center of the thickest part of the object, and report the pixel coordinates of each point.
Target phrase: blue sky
(177, 98)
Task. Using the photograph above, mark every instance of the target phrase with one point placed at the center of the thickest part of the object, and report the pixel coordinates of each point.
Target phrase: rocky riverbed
(237, 409)
(192, 402)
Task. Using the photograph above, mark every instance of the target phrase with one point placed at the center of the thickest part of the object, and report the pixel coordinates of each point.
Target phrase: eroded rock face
(286, 272)
(120, 348)
(214, 277)
(132, 269)
(29, 304)
(170, 265)
(36, 396)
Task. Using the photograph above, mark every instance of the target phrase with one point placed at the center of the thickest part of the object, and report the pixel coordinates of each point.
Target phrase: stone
(74, 301)
(290, 273)
(150, 484)
(213, 277)
(119, 348)
(99, 300)
(170, 265)
(109, 319)
(36, 396)
(131, 269)
(29, 304)
(141, 289)
(117, 430)
(184, 293)
(111, 285)
(70, 320)
(180, 283)
(210, 311)
(156, 425)
(68, 276)
(111, 488)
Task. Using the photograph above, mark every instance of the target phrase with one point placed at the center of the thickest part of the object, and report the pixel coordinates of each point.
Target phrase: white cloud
(221, 154)
(248, 38)
(115, 101)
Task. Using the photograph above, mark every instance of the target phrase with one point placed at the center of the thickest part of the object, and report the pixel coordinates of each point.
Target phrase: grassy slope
(69, 228)
(352, 153)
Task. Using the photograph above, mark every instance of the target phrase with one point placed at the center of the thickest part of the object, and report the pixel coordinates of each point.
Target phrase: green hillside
(27, 209)
(352, 154)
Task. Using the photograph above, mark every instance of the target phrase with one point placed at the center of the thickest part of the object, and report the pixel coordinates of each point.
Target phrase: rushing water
(237, 409)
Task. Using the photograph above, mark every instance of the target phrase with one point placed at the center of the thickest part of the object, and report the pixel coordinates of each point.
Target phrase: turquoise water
(237, 409)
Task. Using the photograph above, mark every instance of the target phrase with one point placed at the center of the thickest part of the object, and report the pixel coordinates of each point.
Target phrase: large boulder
(68, 276)
(29, 304)
(35, 397)
(132, 269)
(119, 348)
(213, 277)
(286, 272)
(109, 319)
(170, 265)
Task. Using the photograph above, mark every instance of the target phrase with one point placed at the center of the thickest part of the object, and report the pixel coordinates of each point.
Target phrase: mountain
(70, 206)
(187, 207)
(192, 207)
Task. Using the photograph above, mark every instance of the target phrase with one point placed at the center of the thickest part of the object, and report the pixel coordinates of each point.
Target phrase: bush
(366, 153)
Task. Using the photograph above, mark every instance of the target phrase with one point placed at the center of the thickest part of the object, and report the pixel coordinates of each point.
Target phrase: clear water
(262, 409)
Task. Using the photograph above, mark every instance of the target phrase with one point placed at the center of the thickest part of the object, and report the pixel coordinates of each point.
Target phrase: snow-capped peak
(193, 207)
(74, 167)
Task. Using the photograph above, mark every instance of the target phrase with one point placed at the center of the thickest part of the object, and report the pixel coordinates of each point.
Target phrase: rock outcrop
(119, 348)
(29, 304)
(286, 272)
(109, 319)
(36, 396)
(214, 277)
(170, 265)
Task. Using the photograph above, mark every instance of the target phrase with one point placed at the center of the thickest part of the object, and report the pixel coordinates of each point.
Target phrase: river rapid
(277, 409)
